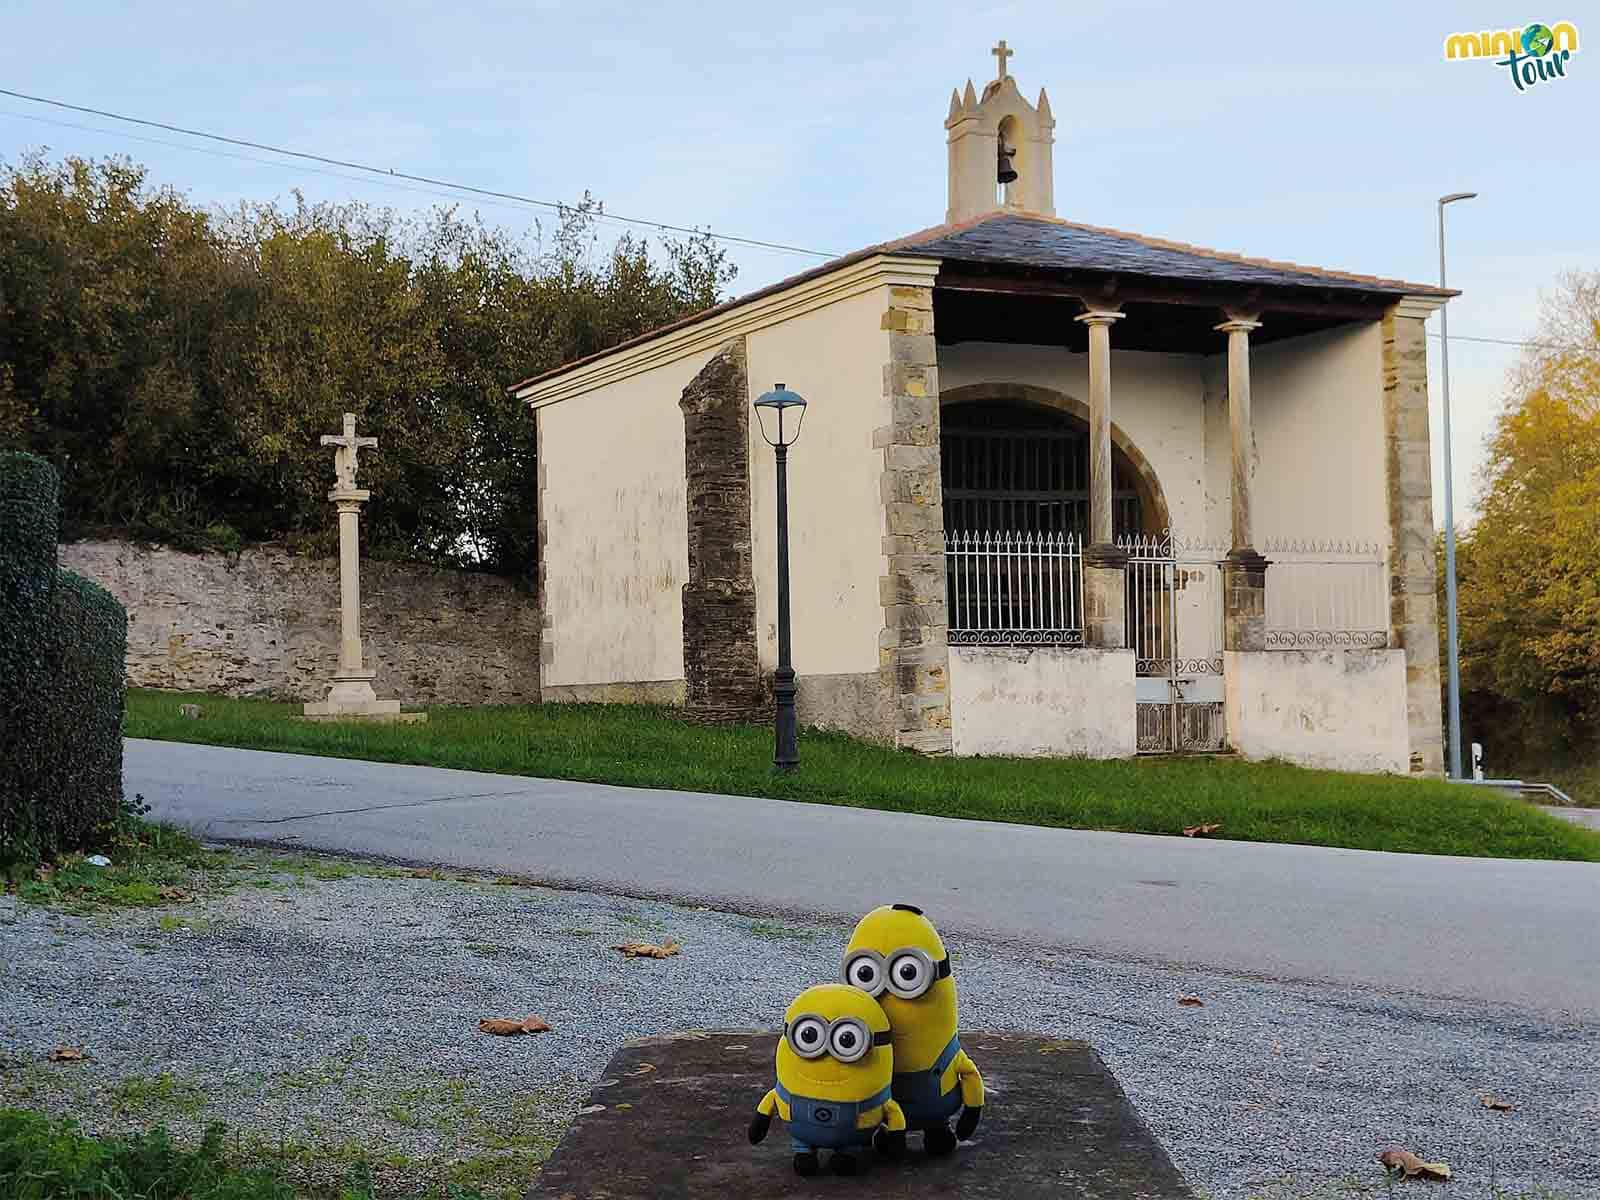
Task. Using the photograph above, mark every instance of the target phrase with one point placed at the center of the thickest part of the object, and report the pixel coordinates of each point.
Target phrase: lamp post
(1454, 720)
(771, 409)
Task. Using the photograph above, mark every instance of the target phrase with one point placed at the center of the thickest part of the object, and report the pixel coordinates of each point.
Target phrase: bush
(63, 641)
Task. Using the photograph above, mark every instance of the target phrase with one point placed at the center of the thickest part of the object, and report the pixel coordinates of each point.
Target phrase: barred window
(1011, 468)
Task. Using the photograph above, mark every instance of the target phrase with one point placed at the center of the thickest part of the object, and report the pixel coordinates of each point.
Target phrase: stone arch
(1155, 515)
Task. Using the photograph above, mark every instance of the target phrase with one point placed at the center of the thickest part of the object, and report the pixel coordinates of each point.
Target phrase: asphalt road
(1489, 930)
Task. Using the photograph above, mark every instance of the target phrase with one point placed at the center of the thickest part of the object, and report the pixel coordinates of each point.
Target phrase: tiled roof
(1033, 241)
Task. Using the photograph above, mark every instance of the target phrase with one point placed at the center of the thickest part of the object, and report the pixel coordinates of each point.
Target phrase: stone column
(1104, 565)
(350, 657)
(1413, 600)
(1244, 571)
(913, 648)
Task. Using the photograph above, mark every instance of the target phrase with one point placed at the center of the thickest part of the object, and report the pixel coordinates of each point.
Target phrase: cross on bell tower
(1002, 53)
(980, 127)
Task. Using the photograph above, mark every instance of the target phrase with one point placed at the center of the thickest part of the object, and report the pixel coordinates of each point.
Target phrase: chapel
(1059, 490)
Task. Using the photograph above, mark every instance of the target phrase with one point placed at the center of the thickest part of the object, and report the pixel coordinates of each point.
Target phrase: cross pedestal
(351, 697)
(668, 1121)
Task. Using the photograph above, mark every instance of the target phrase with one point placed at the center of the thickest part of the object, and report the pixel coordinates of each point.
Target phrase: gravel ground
(328, 1011)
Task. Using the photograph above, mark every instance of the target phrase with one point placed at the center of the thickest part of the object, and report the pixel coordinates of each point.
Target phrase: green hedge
(63, 641)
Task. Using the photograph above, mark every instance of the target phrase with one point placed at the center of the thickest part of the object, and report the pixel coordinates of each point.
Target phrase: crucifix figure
(1002, 53)
(344, 458)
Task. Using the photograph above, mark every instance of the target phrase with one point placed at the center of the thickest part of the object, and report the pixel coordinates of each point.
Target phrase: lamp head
(772, 409)
(1454, 196)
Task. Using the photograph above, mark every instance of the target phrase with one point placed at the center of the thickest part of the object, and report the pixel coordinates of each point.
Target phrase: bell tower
(1000, 149)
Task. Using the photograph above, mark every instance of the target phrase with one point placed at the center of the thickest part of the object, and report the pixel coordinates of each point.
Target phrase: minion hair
(910, 908)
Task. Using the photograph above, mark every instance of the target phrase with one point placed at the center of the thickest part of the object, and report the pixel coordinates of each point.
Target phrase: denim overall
(828, 1124)
(919, 1094)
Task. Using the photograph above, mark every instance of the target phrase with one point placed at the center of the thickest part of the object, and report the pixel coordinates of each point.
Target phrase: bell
(1006, 172)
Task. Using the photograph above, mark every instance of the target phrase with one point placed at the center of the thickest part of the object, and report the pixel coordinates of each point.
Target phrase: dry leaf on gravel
(69, 1054)
(1495, 1104)
(1191, 1002)
(426, 873)
(503, 1027)
(1412, 1167)
(648, 949)
(1201, 830)
(175, 894)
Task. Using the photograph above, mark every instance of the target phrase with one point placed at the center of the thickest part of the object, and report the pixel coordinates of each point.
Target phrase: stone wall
(267, 623)
(721, 673)
(1338, 710)
(1042, 701)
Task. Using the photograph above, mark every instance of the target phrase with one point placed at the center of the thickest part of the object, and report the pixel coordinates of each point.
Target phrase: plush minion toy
(896, 956)
(835, 1063)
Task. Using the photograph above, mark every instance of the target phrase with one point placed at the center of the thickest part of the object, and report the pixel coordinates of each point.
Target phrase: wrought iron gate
(1174, 615)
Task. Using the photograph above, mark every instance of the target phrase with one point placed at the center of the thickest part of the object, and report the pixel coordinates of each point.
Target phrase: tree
(179, 366)
(1530, 566)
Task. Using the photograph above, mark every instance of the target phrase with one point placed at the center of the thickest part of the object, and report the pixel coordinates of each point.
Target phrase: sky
(1321, 134)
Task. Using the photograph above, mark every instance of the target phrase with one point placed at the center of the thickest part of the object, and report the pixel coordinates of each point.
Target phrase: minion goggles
(908, 972)
(848, 1039)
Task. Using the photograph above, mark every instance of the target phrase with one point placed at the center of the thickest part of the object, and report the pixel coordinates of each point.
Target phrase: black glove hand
(890, 1144)
(968, 1122)
(759, 1124)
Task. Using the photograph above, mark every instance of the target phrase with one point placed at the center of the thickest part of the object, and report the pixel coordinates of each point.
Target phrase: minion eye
(910, 975)
(808, 1037)
(848, 1041)
(864, 971)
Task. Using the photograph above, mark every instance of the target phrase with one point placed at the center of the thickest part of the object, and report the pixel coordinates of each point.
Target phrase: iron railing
(1326, 595)
(1014, 589)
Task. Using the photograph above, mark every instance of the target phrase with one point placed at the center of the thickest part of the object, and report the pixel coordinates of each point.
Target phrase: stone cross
(344, 458)
(1002, 53)
(351, 695)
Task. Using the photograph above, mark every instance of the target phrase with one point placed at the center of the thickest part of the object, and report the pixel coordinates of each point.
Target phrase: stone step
(669, 1118)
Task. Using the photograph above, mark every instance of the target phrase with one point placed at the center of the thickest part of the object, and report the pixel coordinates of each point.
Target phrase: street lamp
(1449, 510)
(771, 410)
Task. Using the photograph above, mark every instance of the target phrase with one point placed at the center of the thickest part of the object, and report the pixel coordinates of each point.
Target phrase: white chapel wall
(833, 356)
(1317, 411)
(616, 550)
(1155, 401)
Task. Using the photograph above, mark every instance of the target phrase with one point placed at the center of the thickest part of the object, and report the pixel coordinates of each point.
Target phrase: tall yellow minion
(835, 1064)
(897, 957)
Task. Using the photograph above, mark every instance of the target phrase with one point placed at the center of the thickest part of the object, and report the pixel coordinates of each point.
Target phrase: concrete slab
(669, 1120)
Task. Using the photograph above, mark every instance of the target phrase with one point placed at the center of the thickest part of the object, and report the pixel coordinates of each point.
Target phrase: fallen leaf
(69, 1054)
(1201, 830)
(503, 1027)
(648, 949)
(426, 873)
(1191, 1002)
(175, 893)
(591, 1108)
(645, 1068)
(1495, 1104)
(1412, 1167)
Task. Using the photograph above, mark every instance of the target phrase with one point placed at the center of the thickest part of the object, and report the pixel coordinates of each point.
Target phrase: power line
(1462, 337)
(387, 177)
(391, 173)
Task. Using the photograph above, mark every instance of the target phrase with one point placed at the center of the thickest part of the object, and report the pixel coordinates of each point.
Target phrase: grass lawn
(649, 747)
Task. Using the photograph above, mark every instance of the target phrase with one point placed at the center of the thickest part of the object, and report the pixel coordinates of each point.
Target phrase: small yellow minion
(897, 957)
(835, 1064)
